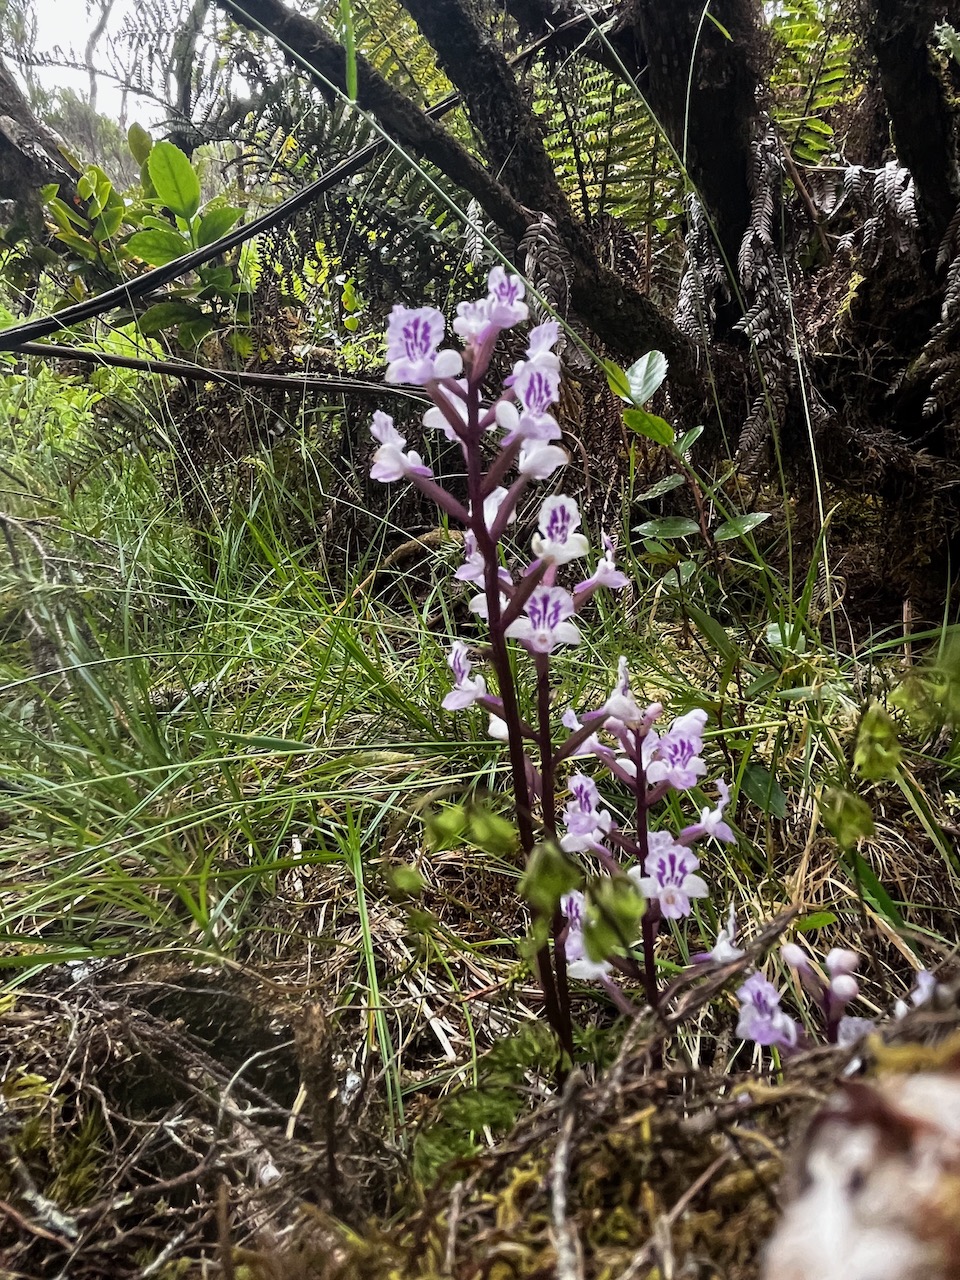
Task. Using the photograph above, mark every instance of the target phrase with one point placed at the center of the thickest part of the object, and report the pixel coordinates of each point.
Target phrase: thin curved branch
(323, 58)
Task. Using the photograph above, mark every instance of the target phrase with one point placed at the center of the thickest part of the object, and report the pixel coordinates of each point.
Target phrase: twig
(565, 1239)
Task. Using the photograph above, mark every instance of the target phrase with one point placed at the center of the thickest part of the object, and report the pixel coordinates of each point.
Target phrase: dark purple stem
(649, 928)
(557, 1014)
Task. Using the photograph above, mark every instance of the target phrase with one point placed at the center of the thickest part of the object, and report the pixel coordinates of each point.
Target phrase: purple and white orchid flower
(761, 1018)
(391, 462)
(670, 880)
(413, 335)
(547, 622)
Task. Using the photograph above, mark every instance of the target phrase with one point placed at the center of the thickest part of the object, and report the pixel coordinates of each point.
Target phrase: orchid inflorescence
(643, 876)
(540, 613)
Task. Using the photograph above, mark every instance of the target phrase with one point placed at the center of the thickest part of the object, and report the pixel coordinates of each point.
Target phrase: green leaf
(688, 440)
(739, 525)
(64, 216)
(660, 488)
(714, 632)
(176, 183)
(816, 920)
(649, 425)
(216, 223)
(158, 247)
(78, 244)
(874, 891)
(668, 527)
(759, 785)
(617, 379)
(108, 224)
(645, 375)
(164, 315)
(139, 142)
(193, 332)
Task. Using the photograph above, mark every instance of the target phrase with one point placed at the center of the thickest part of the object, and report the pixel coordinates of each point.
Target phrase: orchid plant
(643, 876)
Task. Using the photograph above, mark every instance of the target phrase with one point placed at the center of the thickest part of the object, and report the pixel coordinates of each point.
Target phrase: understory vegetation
(284, 941)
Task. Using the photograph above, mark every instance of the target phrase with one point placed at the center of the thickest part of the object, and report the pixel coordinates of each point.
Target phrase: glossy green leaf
(174, 179)
(649, 425)
(164, 315)
(158, 247)
(108, 224)
(739, 525)
(617, 380)
(140, 143)
(668, 527)
(645, 375)
(657, 490)
(688, 440)
(216, 223)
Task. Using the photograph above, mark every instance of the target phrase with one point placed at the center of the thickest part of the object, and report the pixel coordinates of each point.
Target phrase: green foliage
(812, 76)
(452, 1130)
(155, 223)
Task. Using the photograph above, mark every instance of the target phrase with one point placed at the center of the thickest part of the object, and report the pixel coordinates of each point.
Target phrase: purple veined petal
(458, 662)
(677, 760)
(669, 877)
(505, 298)
(761, 1018)
(542, 339)
(537, 388)
(413, 335)
(579, 964)
(558, 540)
(572, 906)
(546, 625)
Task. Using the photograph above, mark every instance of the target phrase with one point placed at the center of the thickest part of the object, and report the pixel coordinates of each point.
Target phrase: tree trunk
(924, 132)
